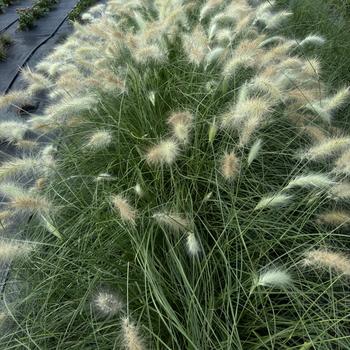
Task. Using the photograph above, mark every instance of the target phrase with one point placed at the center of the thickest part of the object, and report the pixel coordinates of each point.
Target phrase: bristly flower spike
(163, 153)
(99, 140)
(275, 278)
(181, 124)
(107, 303)
(230, 166)
(132, 339)
(328, 259)
(126, 211)
(193, 246)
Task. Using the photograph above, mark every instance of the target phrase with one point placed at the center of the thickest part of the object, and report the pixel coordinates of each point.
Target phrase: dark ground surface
(26, 42)
(10, 14)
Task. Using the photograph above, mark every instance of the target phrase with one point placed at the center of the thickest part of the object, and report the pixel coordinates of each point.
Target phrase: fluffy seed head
(335, 218)
(224, 36)
(16, 98)
(340, 191)
(254, 151)
(342, 164)
(215, 55)
(311, 180)
(13, 249)
(338, 99)
(104, 177)
(131, 336)
(278, 200)
(26, 144)
(327, 148)
(192, 244)
(18, 166)
(209, 7)
(181, 124)
(249, 128)
(196, 45)
(315, 133)
(36, 81)
(327, 106)
(71, 106)
(126, 211)
(107, 303)
(138, 190)
(163, 153)
(323, 258)
(99, 140)
(22, 199)
(175, 222)
(313, 39)
(151, 52)
(230, 166)
(275, 278)
(12, 131)
(246, 109)
(275, 20)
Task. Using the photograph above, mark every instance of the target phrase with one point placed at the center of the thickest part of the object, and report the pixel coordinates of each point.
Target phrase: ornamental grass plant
(189, 188)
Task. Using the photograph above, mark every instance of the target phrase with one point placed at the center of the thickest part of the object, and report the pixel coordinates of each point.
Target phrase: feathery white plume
(175, 222)
(16, 98)
(275, 278)
(192, 244)
(107, 303)
(230, 166)
(313, 39)
(150, 52)
(209, 7)
(23, 199)
(327, 148)
(12, 131)
(163, 153)
(70, 107)
(138, 190)
(310, 180)
(13, 249)
(327, 106)
(254, 151)
(328, 259)
(36, 81)
(196, 45)
(126, 211)
(340, 191)
(255, 108)
(104, 177)
(272, 40)
(272, 20)
(214, 54)
(181, 124)
(334, 218)
(342, 164)
(18, 166)
(131, 336)
(99, 140)
(277, 200)
(224, 36)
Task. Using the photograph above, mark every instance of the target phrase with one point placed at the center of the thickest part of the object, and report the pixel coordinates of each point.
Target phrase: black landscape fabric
(25, 42)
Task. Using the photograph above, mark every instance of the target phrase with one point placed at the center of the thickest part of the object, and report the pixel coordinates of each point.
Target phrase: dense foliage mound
(194, 194)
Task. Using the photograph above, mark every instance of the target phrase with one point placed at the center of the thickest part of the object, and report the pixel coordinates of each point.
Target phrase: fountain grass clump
(194, 194)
